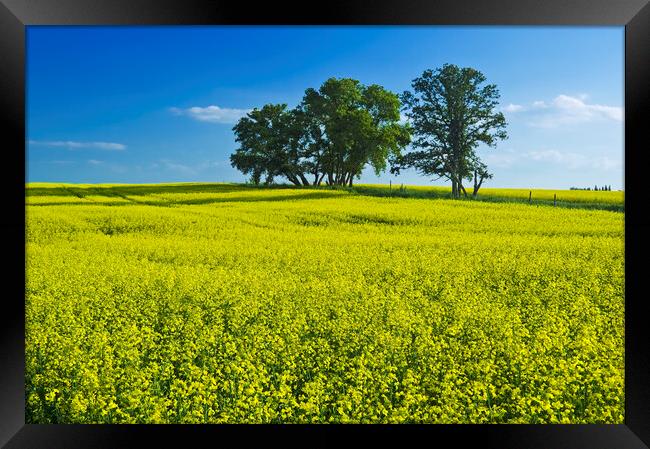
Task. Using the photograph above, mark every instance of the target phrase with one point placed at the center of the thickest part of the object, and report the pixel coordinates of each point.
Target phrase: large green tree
(330, 136)
(269, 140)
(354, 125)
(452, 111)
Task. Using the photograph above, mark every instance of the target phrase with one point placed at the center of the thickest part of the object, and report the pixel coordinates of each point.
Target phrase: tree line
(607, 188)
(343, 126)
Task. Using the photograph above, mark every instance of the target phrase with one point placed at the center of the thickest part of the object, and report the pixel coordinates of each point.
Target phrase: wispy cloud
(565, 110)
(73, 145)
(513, 108)
(574, 160)
(502, 159)
(103, 165)
(186, 169)
(566, 159)
(212, 114)
(61, 162)
(181, 169)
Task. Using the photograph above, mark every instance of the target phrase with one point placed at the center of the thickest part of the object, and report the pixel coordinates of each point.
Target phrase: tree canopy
(269, 141)
(330, 136)
(451, 111)
(343, 126)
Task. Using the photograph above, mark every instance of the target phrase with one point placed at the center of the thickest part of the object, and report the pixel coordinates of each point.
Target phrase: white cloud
(107, 166)
(178, 168)
(61, 162)
(72, 145)
(574, 161)
(571, 160)
(566, 110)
(606, 163)
(502, 159)
(212, 114)
(513, 108)
(577, 108)
(186, 169)
(565, 159)
(205, 165)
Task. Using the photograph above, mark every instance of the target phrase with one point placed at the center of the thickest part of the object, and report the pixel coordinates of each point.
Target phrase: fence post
(554, 199)
(390, 186)
(530, 196)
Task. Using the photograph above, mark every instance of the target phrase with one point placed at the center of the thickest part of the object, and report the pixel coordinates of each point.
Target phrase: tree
(269, 141)
(334, 132)
(451, 112)
(480, 174)
(348, 126)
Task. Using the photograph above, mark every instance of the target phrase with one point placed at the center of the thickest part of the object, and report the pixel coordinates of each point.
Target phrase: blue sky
(157, 104)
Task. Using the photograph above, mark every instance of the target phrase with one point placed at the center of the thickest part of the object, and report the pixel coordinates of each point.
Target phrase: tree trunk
(303, 179)
(463, 189)
(477, 186)
(293, 179)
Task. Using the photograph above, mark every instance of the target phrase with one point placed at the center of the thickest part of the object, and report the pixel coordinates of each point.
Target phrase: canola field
(220, 303)
(602, 200)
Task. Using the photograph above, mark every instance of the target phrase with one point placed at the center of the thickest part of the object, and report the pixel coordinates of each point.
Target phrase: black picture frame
(15, 15)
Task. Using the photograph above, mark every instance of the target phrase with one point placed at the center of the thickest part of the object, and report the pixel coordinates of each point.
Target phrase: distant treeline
(596, 188)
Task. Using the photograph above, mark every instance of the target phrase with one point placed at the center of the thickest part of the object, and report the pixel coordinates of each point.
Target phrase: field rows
(220, 303)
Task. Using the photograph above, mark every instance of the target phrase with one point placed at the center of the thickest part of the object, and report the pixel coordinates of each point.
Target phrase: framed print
(411, 221)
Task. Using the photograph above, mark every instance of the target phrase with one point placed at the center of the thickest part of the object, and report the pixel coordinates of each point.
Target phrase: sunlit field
(223, 303)
(606, 200)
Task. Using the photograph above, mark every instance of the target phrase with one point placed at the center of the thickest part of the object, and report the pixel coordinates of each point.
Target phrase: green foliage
(230, 304)
(332, 135)
(451, 111)
(269, 141)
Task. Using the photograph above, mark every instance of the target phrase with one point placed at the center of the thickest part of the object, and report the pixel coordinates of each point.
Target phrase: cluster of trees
(329, 137)
(339, 129)
(607, 188)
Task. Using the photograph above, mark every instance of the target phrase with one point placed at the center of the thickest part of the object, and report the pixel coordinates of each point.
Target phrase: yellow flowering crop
(227, 304)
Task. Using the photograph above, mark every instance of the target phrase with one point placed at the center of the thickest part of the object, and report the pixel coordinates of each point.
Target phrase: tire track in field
(75, 193)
